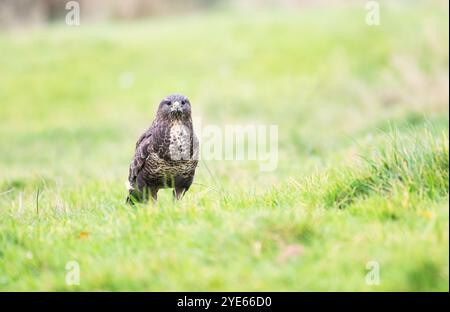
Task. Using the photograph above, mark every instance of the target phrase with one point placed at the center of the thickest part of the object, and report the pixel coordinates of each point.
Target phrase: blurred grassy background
(73, 101)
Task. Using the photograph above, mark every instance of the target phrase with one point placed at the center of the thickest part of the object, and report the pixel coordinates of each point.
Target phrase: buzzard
(166, 154)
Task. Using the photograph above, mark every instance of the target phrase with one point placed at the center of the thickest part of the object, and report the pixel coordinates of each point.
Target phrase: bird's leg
(154, 194)
(181, 186)
(178, 193)
(147, 191)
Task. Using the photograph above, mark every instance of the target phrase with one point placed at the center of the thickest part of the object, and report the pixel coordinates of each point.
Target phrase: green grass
(363, 172)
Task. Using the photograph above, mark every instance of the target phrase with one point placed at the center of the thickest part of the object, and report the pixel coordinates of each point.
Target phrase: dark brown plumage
(166, 154)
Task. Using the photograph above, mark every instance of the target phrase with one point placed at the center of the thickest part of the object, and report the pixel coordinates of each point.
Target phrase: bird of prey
(166, 154)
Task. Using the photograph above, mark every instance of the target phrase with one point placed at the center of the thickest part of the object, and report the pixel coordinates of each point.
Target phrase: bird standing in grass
(166, 154)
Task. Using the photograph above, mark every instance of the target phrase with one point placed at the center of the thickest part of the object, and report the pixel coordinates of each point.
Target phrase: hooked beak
(176, 108)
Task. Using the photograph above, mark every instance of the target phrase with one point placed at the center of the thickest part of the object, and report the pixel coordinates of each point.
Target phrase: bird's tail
(129, 201)
(134, 197)
(132, 194)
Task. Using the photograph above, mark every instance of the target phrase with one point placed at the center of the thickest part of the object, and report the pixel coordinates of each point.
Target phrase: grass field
(362, 176)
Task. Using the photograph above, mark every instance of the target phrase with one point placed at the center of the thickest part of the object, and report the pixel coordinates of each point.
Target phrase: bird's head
(175, 107)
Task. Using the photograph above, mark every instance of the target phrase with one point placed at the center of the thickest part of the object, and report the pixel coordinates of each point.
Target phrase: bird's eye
(168, 103)
(183, 102)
